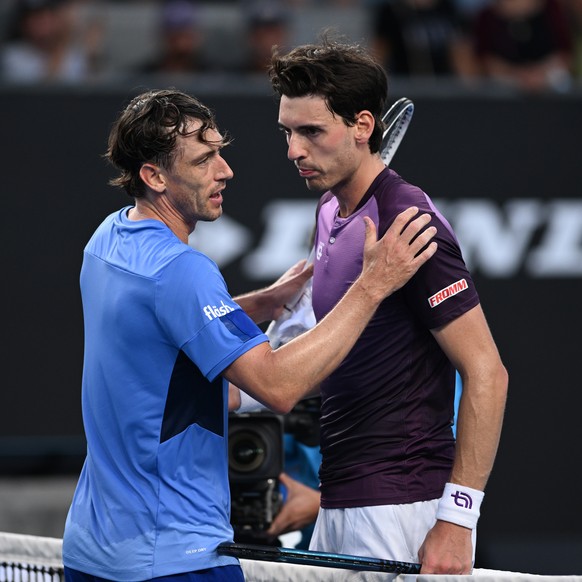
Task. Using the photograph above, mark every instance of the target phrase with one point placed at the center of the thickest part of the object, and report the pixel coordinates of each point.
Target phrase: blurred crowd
(533, 45)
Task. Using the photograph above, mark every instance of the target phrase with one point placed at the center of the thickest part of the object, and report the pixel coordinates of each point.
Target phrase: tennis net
(26, 558)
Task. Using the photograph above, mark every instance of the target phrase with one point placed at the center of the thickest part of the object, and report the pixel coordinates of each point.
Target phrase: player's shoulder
(185, 258)
(169, 255)
(394, 194)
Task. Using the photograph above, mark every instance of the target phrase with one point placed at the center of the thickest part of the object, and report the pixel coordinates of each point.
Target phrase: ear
(152, 177)
(364, 126)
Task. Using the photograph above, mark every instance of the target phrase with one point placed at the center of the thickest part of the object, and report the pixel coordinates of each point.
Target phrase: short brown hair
(146, 131)
(344, 74)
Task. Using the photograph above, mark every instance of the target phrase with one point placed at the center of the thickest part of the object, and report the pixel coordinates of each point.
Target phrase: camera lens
(247, 451)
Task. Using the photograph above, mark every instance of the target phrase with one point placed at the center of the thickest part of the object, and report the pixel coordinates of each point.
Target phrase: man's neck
(349, 194)
(144, 209)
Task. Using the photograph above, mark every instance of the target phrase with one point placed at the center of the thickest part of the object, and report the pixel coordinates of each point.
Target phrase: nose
(225, 171)
(295, 149)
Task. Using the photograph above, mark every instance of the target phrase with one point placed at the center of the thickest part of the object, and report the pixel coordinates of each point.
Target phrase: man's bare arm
(468, 344)
(280, 378)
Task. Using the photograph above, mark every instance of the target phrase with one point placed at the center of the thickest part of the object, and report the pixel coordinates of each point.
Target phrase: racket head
(397, 120)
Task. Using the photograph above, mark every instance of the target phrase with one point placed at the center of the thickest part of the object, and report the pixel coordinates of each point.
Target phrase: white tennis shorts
(390, 532)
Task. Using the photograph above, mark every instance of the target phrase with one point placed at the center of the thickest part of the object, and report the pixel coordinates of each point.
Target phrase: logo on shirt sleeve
(447, 292)
(212, 311)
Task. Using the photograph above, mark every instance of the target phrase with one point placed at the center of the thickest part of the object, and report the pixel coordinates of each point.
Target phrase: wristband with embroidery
(460, 505)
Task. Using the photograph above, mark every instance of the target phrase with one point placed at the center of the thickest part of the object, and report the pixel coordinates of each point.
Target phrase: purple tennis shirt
(387, 411)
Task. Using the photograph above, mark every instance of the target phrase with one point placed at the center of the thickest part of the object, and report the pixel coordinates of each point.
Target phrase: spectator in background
(468, 8)
(267, 25)
(421, 37)
(327, 3)
(181, 38)
(526, 43)
(6, 10)
(47, 43)
(574, 15)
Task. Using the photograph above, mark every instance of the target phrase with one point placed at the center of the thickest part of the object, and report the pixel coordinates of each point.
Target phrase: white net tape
(25, 558)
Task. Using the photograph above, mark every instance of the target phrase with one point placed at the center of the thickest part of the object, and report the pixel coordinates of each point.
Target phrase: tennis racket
(397, 120)
(312, 558)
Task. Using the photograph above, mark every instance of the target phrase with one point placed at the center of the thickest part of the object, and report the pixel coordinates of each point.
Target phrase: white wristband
(460, 505)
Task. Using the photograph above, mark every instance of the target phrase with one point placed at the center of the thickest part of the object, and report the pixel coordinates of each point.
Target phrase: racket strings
(397, 119)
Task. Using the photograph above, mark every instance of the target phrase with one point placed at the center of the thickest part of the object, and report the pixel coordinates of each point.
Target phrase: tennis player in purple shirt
(394, 484)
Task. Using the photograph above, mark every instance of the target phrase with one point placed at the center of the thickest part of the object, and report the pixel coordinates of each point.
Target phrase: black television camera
(256, 457)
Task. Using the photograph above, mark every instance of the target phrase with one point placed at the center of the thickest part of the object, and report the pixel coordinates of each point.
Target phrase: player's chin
(315, 185)
(212, 214)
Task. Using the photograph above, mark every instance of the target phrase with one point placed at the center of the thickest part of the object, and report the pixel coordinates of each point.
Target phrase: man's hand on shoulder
(391, 261)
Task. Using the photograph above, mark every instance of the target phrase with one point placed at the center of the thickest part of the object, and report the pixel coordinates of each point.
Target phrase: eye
(206, 159)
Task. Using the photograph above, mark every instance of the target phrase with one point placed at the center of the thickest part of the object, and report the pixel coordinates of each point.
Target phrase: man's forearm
(479, 429)
(256, 304)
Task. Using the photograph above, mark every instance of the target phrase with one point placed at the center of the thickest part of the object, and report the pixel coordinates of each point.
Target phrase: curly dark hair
(344, 74)
(146, 131)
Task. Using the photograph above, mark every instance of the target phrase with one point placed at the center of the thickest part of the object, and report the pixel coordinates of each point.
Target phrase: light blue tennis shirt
(160, 327)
